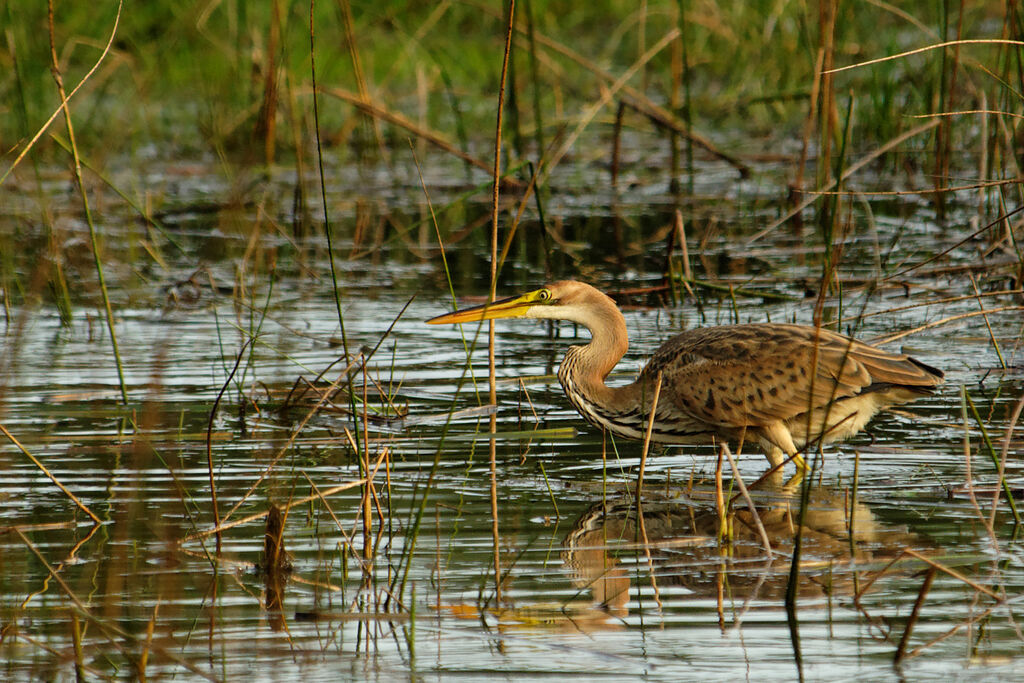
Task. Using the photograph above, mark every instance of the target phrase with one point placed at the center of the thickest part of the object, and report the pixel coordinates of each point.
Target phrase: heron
(786, 387)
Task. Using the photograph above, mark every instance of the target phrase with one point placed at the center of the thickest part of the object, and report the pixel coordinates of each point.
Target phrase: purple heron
(786, 387)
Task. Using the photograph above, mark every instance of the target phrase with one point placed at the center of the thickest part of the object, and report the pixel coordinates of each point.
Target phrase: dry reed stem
(877, 575)
(109, 629)
(905, 16)
(76, 644)
(964, 112)
(850, 170)
(746, 497)
(266, 119)
(514, 226)
(921, 191)
(209, 434)
(273, 538)
(827, 114)
(606, 95)
(330, 510)
(640, 520)
(968, 467)
(647, 442)
(988, 325)
(364, 457)
(943, 321)
(39, 133)
(533, 411)
(82, 506)
(680, 228)
(397, 119)
(812, 116)
(9, 631)
(357, 68)
(617, 143)
(291, 439)
(952, 572)
(981, 616)
(347, 536)
(764, 477)
(965, 240)
(852, 518)
(147, 643)
(46, 526)
(260, 515)
(927, 48)
(681, 233)
(642, 102)
(720, 498)
(930, 302)
(364, 507)
(1004, 454)
(79, 181)
(947, 91)
(491, 369)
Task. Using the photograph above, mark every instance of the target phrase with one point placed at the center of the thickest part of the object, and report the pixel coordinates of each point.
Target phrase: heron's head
(564, 300)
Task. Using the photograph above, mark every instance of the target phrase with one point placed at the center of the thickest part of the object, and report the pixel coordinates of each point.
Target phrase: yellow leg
(781, 441)
(798, 460)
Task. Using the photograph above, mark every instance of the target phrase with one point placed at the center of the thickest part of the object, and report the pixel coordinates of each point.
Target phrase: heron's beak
(512, 307)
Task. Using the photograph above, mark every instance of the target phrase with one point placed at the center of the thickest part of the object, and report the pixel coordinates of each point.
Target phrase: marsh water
(232, 352)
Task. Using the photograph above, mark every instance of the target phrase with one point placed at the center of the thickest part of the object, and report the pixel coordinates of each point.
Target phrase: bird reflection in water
(604, 551)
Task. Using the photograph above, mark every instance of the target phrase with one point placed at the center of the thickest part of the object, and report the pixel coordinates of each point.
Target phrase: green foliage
(192, 75)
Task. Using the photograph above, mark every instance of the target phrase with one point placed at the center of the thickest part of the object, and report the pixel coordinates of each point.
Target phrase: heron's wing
(758, 374)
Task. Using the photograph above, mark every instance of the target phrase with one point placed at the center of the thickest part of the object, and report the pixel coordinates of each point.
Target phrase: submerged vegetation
(231, 447)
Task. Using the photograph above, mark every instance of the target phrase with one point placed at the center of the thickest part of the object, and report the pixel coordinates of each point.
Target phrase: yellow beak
(512, 307)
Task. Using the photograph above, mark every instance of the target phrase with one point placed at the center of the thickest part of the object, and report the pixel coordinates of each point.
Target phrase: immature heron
(785, 386)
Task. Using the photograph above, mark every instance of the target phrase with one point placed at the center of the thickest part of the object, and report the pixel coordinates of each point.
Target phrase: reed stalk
(42, 468)
(647, 440)
(209, 438)
(749, 501)
(996, 461)
(77, 170)
(491, 376)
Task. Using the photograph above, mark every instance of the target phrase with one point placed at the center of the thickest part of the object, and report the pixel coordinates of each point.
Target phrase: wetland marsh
(245, 386)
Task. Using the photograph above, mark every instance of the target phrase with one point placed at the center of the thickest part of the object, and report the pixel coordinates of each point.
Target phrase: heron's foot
(801, 464)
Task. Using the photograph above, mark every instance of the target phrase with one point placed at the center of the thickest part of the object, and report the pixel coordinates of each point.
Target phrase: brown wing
(757, 374)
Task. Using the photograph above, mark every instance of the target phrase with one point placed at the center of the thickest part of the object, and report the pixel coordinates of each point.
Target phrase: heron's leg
(798, 460)
(774, 480)
(781, 441)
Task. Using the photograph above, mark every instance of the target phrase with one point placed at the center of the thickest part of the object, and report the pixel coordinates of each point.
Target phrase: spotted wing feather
(758, 374)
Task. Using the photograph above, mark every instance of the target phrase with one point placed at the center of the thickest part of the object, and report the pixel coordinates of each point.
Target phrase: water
(583, 594)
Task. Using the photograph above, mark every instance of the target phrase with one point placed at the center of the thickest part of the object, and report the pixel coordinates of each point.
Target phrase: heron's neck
(586, 367)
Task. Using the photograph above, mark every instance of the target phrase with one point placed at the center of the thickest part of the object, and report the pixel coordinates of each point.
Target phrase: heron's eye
(544, 295)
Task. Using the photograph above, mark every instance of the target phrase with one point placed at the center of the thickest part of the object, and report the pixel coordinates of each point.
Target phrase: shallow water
(582, 593)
